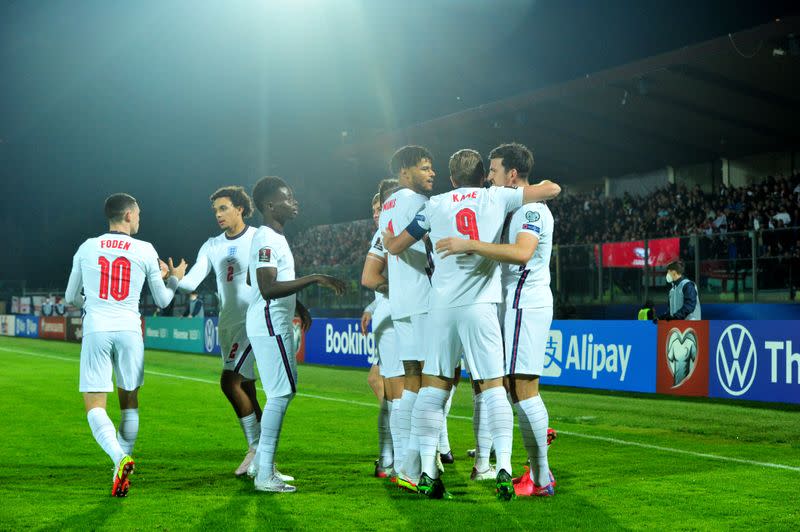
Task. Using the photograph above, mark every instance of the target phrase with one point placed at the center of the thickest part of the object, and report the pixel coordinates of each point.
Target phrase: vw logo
(736, 360)
(209, 333)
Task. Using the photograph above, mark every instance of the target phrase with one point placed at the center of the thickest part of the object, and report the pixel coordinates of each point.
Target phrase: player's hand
(453, 246)
(177, 271)
(327, 281)
(388, 238)
(365, 319)
(164, 269)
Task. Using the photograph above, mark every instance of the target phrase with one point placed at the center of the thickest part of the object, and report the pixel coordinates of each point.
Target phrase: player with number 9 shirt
(111, 270)
(464, 297)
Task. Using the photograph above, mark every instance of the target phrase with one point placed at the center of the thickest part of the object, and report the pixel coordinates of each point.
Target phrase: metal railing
(748, 267)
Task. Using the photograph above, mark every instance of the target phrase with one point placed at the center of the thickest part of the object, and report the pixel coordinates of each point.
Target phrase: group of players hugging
(458, 276)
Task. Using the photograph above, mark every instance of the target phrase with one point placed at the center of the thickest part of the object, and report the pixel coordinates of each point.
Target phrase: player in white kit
(525, 260)
(111, 269)
(374, 276)
(227, 255)
(269, 319)
(464, 298)
(409, 275)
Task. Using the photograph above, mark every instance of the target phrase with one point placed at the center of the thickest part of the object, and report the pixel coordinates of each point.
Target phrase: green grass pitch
(621, 461)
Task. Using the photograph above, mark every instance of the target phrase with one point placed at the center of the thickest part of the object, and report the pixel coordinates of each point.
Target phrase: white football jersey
(377, 249)
(111, 269)
(529, 286)
(270, 249)
(409, 281)
(477, 214)
(228, 257)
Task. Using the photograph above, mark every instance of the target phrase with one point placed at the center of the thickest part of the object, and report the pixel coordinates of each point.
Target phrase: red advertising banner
(74, 329)
(683, 358)
(661, 252)
(53, 328)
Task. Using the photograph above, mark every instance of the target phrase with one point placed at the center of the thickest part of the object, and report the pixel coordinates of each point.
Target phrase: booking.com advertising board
(338, 342)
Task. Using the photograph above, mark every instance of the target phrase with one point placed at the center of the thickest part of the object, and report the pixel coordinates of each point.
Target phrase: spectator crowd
(721, 220)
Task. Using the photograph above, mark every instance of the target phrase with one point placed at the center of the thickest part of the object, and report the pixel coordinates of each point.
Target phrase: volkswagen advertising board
(756, 360)
(609, 355)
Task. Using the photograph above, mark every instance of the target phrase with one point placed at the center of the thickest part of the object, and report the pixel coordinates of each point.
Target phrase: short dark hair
(466, 168)
(515, 156)
(387, 187)
(117, 204)
(408, 156)
(264, 189)
(238, 197)
(676, 266)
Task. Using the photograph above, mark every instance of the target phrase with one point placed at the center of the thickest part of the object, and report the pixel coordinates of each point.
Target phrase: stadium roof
(729, 97)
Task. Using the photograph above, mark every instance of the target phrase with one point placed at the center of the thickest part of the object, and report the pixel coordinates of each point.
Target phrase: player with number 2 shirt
(227, 254)
(111, 270)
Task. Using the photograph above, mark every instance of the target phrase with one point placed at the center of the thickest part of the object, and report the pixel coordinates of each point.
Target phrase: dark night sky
(168, 100)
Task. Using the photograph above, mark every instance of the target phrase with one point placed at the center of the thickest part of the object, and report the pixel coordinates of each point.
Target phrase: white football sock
(426, 426)
(104, 433)
(385, 434)
(128, 429)
(501, 425)
(533, 422)
(251, 429)
(271, 424)
(483, 437)
(394, 420)
(444, 439)
(407, 401)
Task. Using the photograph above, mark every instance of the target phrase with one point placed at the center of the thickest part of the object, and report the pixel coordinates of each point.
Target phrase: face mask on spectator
(669, 278)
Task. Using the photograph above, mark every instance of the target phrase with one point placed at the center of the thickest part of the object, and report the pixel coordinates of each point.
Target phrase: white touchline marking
(465, 418)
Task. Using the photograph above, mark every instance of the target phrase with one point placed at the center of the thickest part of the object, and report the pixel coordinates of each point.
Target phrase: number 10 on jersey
(115, 278)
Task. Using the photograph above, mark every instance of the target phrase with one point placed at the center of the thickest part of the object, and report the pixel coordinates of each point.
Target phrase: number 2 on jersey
(119, 272)
(230, 273)
(467, 224)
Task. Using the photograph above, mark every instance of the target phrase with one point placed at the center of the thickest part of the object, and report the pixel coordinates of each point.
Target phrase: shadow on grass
(96, 516)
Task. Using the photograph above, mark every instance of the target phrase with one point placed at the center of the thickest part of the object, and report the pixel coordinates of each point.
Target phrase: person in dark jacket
(684, 303)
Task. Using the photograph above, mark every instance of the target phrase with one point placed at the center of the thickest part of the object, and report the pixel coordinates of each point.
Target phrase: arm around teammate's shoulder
(542, 191)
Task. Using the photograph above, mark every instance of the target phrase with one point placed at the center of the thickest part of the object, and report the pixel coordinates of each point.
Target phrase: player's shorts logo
(737, 359)
(681, 355)
(553, 354)
(209, 335)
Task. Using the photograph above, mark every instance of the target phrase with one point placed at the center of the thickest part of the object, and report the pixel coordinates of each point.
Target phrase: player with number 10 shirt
(111, 269)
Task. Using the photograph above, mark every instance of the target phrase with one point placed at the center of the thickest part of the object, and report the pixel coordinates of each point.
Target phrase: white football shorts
(411, 335)
(526, 334)
(236, 351)
(276, 362)
(385, 338)
(473, 330)
(117, 353)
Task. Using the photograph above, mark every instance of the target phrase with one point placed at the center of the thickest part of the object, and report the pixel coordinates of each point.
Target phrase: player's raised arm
(163, 294)
(415, 230)
(520, 252)
(196, 273)
(542, 191)
(75, 284)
